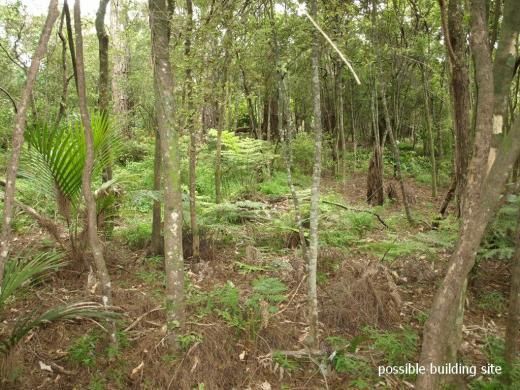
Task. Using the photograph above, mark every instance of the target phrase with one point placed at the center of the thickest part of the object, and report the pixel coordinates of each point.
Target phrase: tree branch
(10, 98)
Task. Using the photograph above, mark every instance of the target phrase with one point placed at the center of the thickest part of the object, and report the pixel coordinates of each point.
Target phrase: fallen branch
(356, 210)
(138, 319)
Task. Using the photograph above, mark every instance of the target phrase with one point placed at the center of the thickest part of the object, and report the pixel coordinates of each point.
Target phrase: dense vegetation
(259, 194)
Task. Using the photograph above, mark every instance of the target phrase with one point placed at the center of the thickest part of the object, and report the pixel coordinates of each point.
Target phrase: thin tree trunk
(18, 134)
(93, 239)
(431, 144)
(221, 121)
(397, 158)
(192, 132)
(156, 244)
(375, 186)
(313, 340)
(169, 137)
(342, 135)
(64, 77)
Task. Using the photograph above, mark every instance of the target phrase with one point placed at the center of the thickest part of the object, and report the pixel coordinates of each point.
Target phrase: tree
(90, 201)
(121, 59)
(18, 133)
(193, 135)
(313, 340)
(455, 38)
(169, 142)
(481, 202)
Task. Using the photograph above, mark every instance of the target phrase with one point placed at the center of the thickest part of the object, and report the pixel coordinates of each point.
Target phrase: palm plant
(19, 275)
(54, 162)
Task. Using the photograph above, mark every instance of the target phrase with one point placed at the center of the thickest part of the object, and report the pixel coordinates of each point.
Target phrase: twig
(10, 98)
(291, 299)
(356, 210)
(138, 319)
(334, 47)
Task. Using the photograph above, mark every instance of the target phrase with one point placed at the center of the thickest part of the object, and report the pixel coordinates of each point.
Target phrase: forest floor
(246, 305)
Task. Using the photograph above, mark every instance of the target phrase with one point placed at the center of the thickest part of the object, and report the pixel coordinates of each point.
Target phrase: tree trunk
(478, 210)
(118, 23)
(431, 144)
(503, 70)
(93, 239)
(192, 132)
(312, 339)
(169, 137)
(375, 186)
(455, 36)
(18, 134)
(156, 244)
(397, 158)
(342, 135)
(221, 120)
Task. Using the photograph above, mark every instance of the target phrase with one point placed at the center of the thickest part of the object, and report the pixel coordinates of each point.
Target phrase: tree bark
(193, 135)
(93, 239)
(455, 37)
(479, 208)
(121, 58)
(375, 186)
(313, 340)
(169, 137)
(18, 134)
(222, 120)
(156, 244)
(503, 70)
(103, 84)
(431, 144)
(397, 158)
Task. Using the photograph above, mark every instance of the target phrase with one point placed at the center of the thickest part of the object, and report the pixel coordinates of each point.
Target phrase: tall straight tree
(18, 133)
(169, 142)
(190, 111)
(483, 193)
(121, 59)
(93, 239)
(313, 340)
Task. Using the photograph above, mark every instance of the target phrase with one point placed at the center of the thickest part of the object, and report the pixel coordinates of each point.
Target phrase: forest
(260, 194)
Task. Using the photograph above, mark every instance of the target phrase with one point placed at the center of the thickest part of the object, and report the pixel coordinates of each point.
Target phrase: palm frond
(55, 158)
(20, 272)
(72, 311)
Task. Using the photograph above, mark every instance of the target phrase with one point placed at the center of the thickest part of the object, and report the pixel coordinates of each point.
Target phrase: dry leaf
(44, 367)
(137, 369)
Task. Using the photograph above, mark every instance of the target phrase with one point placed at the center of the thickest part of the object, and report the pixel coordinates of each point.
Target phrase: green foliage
(285, 362)
(302, 146)
(499, 242)
(56, 156)
(137, 235)
(276, 185)
(245, 162)
(493, 301)
(187, 340)
(20, 273)
(83, 350)
(18, 276)
(398, 347)
(271, 290)
(494, 349)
